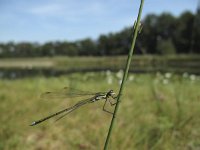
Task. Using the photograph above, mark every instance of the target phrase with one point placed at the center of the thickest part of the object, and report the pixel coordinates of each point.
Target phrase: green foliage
(195, 44)
(87, 47)
(166, 47)
(159, 111)
(183, 35)
(149, 36)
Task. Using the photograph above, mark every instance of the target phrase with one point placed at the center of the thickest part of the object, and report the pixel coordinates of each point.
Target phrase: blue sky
(48, 20)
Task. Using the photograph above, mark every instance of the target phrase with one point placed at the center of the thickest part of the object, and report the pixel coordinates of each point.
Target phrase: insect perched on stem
(71, 93)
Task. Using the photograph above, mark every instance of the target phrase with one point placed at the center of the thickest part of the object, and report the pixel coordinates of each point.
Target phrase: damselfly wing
(71, 93)
(66, 92)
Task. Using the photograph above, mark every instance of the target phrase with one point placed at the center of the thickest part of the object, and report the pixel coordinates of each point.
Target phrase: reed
(136, 30)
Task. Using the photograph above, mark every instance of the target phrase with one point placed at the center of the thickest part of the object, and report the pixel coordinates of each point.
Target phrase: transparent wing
(66, 92)
(67, 110)
(74, 108)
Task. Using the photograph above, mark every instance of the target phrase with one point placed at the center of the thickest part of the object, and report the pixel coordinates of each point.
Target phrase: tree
(165, 46)
(87, 47)
(183, 33)
(48, 49)
(149, 34)
(165, 26)
(102, 45)
(195, 44)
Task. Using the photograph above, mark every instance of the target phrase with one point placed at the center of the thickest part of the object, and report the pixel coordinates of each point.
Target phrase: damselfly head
(111, 93)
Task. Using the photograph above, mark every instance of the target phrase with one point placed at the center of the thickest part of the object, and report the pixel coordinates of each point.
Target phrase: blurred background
(62, 29)
(47, 45)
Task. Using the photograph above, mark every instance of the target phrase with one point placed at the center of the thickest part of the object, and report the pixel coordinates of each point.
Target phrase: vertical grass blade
(125, 75)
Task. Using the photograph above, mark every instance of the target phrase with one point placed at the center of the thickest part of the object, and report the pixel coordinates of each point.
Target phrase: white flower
(165, 81)
(120, 74)
(131, 78)
(108, 72)
(185, 75)
(168, 75)
(120, 82)
(110, 80)
(158, 74)
(192, 77)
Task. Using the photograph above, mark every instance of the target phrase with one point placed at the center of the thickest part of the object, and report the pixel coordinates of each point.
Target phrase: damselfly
(72, 93)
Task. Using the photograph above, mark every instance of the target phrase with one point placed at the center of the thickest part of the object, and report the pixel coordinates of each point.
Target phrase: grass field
(158, 112)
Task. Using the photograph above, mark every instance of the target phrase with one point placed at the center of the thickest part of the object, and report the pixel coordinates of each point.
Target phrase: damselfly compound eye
(111, 93)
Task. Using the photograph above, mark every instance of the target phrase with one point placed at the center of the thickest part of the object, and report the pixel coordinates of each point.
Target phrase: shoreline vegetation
(53, 66)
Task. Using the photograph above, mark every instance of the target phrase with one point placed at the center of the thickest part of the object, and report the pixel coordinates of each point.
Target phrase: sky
(52, 20)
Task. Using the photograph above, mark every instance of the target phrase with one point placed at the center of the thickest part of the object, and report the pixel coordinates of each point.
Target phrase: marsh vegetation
(159, 111)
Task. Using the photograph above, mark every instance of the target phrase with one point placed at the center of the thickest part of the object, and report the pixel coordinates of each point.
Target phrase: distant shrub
(165, 47)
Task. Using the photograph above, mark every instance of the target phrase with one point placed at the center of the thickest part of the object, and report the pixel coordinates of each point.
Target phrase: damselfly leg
(111, 104)
(104, 109)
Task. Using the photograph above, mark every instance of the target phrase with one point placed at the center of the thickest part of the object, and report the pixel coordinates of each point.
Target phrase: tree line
(161, 34)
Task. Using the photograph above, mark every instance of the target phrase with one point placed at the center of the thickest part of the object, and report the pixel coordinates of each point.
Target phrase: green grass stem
(125, 75)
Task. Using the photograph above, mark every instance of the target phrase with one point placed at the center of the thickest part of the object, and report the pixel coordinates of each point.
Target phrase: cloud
(68, 11)
(68, 7)
(47, 9)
